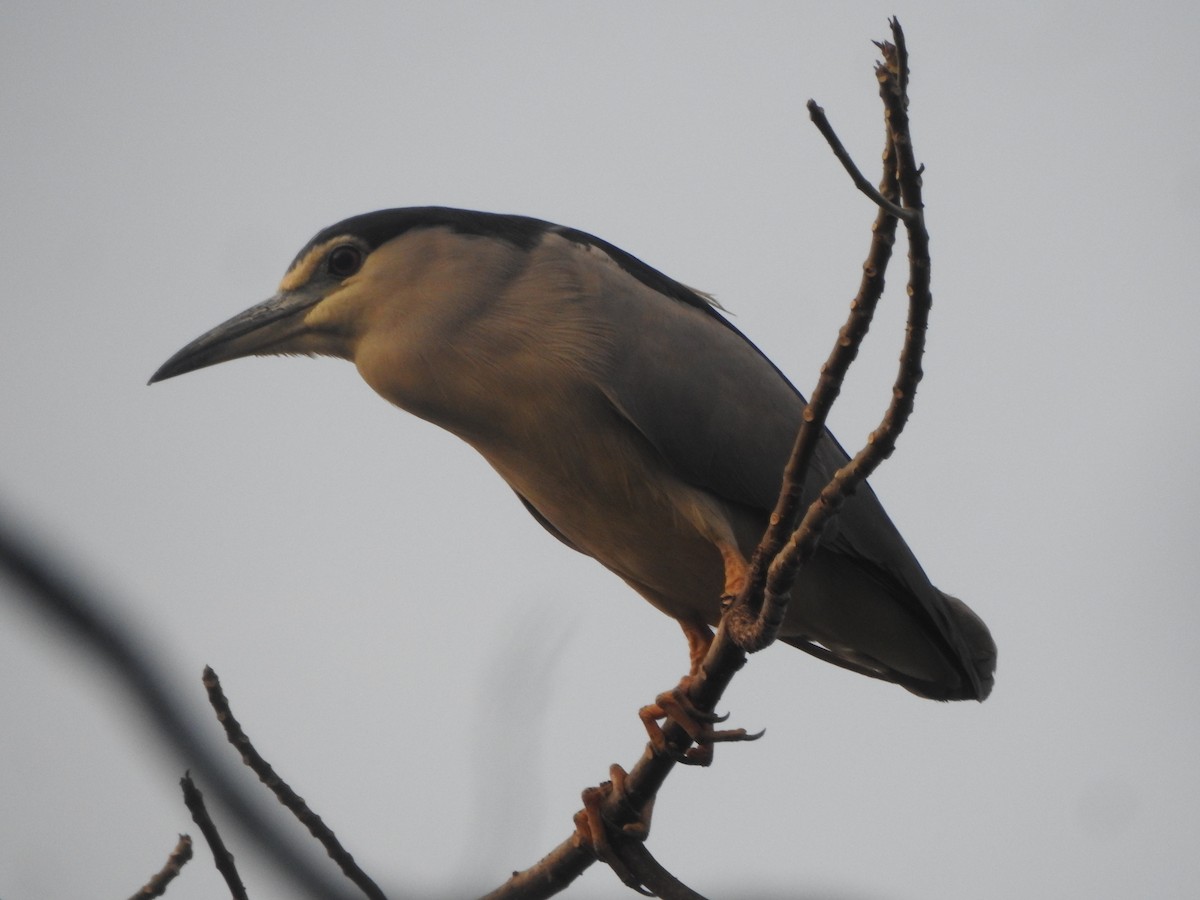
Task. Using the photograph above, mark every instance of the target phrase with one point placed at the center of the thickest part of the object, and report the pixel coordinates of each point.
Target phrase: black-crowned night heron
(633, 421)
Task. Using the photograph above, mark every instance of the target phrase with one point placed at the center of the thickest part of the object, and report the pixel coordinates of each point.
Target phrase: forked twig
(885, 200)
(755, 619)
(893, 79)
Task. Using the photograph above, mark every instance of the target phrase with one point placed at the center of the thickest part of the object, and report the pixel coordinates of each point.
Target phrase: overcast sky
(433, 672)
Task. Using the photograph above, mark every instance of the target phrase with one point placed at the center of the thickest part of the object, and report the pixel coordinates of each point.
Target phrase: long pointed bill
(260, 330)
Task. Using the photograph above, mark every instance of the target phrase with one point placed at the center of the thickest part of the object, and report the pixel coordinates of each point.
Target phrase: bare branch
(893, 76)
(194, 801)
(758, 631)
(768, 601)
(157, 885)
(752, 620)
(283, 791)
(548, 876)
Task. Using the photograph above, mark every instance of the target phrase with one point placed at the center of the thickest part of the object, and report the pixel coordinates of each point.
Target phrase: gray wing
(725, 419)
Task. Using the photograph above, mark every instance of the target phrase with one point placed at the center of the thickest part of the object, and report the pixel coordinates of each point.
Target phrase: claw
(595, 831)
(675, 706)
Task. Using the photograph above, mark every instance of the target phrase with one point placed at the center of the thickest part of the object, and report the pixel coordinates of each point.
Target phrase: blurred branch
(620, 808)
(157, 885)
(41, 577)
(194, 801)
(288, 797)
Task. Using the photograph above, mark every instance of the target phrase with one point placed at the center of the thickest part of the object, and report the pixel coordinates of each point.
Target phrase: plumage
(632, 420)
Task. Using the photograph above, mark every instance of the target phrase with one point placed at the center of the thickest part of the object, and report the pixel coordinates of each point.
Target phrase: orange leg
(736, 569)
(699, 637)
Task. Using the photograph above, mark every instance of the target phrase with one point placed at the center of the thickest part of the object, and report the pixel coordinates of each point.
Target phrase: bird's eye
(345, 260)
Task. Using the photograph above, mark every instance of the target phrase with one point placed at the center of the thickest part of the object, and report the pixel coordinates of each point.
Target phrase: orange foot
(595, 831)
(675, 706)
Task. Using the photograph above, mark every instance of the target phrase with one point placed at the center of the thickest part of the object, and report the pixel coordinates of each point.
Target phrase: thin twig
(157, 885)
(884, 201)
(194, 801)
(288, 797)
(902, 50)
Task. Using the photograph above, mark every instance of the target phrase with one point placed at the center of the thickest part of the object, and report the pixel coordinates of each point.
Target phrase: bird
(633, 421)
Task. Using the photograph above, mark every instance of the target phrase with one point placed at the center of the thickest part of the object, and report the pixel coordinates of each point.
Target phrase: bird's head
(312, 312)
(406, 277)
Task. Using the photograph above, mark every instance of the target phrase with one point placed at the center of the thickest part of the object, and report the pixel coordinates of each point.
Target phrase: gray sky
(392, 627)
